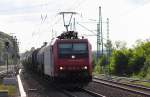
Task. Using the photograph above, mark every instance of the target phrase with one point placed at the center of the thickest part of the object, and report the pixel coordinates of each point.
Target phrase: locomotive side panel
(54, 58)
(90, 60)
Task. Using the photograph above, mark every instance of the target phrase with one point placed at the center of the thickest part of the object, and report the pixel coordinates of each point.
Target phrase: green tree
(145, 69)
(119, 62)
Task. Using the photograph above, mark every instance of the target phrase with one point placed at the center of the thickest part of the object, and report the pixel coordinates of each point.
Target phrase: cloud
(132, 26)
(23, 6)
(35, 6)
(138, 2)
(23, 17)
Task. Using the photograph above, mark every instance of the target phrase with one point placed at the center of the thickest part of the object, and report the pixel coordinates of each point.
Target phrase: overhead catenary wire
(27, 7)
(76, 4)
(44, 17)
(86, 28)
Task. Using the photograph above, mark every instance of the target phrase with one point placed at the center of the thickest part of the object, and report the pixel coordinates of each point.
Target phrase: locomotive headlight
(61, 68)
(85, 67)
(73, 57)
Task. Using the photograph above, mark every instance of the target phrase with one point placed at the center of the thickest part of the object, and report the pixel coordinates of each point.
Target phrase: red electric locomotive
(66, 59)
(72, 59)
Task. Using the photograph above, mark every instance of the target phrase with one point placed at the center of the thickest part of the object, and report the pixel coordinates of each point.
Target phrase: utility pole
(98, 37)
(101, 29)
(98, 41)
(107, 29)
(109, 46)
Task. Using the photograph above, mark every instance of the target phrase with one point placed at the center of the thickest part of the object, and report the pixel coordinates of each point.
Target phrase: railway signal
(7, 47)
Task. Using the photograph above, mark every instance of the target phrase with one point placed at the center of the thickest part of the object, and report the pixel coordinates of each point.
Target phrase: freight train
(68, 58)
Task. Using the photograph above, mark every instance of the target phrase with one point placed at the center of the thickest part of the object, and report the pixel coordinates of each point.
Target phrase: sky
(37, 21)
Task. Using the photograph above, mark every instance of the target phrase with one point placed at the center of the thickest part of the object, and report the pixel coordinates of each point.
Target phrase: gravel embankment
(35, 88)
(110, 91)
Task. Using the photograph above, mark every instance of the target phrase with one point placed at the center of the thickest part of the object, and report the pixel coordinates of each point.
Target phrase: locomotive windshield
(79, 50)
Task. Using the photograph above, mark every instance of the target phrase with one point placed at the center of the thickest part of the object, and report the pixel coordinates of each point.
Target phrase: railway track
(81, 93)
(90, 91)
(93, 93)
(4, 73)
(39, 87)
(127, 87)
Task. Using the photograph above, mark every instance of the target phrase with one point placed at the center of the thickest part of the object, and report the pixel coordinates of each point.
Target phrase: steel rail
(126, 84)
(122, 86)
(93, 93)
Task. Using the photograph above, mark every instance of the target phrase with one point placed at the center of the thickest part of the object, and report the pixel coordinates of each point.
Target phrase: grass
(11, 89)
(141, 83)
(146, 84)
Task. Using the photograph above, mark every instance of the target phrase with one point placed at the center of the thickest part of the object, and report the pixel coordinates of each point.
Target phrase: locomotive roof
(71, 40)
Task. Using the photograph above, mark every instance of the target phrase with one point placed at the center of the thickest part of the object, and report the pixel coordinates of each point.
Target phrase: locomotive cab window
(79, 50)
